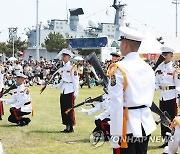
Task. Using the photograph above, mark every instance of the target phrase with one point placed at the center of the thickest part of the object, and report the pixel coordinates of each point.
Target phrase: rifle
(52, 77)
(159, 61)
(87, 101)
(13, 86)
(164, 117)
(92, 58)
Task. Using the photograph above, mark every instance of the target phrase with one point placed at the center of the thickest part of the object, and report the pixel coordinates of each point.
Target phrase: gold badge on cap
(113, 80)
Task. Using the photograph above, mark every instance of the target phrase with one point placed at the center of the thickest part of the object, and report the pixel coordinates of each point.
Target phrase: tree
(19, 45)
(3, 47)
(88, 51)
(55, 42)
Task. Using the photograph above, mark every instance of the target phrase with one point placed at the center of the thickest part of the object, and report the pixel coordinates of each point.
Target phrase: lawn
(43, 136)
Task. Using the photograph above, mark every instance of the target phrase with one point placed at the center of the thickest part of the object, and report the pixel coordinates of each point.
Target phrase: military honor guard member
(1, 89)
(102, 120)
(131, 90)
(69, 85)
(20, 102)
(174, 141)
(168, 81)
(115, 56)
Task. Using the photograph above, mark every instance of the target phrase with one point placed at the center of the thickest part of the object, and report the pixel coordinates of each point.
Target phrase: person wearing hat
(131, 90)
(115, 56)
(69, 85)
(1, 89)
(168, 81)
(20, 102)
(17, 67)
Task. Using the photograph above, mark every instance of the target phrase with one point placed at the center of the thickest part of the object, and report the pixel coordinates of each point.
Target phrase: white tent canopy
(12, 59)
(78, 58)
(150, 45)
(59, 55)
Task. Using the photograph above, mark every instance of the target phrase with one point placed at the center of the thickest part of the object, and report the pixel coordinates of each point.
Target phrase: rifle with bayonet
(13, 86)
(49, 81)
(88, 101)
(4, 92)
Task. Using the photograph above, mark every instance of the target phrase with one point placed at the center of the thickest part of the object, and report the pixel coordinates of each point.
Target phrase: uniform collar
(131, 55)
(67, 63)
(170, 63)
(21, 85)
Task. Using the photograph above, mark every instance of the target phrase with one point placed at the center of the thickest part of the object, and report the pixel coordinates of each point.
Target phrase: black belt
(136, 107)
(27, 103)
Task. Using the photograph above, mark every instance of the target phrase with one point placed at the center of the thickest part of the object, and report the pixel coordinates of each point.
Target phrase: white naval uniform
(19, 98)
(101, 105)
(140, 91)
(166, 75)
(174, 142)
(1, 80)
(70, 80)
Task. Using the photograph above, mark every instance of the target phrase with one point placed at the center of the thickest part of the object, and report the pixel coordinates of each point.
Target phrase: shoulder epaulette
(177, 70)
(112, 70)
(1, 67)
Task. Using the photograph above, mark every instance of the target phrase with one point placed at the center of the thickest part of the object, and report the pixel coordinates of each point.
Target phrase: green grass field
(43, 136)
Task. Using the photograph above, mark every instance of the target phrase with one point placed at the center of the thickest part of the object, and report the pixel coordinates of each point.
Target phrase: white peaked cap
(20, 74)
(167, 49)
(131, 34)
(66, 51)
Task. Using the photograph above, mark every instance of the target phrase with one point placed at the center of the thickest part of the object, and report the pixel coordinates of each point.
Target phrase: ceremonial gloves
(2, 100)
(75, 95)
(83, 110)
(114, 141)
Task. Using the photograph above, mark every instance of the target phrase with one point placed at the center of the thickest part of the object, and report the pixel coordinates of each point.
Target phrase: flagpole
(37, 32)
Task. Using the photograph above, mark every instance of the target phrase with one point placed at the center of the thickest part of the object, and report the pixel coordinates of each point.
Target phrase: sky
(156, 15)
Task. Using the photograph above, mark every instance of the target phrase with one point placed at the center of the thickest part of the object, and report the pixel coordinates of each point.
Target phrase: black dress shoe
(163, 145)
(63, 131)
(69, 131)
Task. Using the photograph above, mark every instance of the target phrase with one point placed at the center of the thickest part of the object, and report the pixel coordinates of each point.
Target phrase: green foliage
(55, 42)
(7, 47)
(88, 51)
(3, 47)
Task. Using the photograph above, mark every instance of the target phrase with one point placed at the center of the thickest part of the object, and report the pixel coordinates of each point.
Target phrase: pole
(176, 2)
(13, 46)
(37, 33)
(176, 16)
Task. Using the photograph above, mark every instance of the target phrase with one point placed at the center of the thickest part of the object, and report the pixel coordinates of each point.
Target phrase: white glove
(178, 102)
(75, 95)
(114, 141)
(96, 118)
(2, 100)
(55, 86)
(83, 110)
